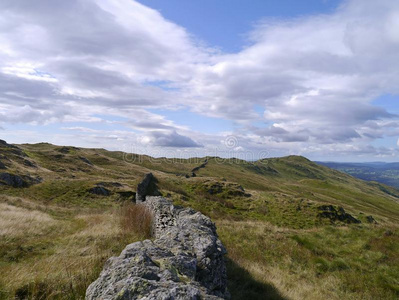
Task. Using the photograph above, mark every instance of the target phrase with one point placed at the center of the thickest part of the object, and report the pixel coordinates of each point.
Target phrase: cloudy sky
(181, 78)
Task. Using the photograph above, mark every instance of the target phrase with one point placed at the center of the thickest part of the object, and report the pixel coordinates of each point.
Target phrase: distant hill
(386, 173)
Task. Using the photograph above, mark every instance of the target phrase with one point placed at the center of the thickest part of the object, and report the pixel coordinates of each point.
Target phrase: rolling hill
(293, 229)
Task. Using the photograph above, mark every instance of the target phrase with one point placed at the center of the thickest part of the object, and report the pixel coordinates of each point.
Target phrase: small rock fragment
(371, 220)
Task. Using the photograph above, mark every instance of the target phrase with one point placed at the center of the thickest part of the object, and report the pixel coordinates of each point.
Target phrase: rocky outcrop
(85, 160)
(67, 150)
(6, 145)
(371, 220)
(336, 214)
(228, 189)
(99, 190)
(18, 181)
(147, 187)
(184, 261)
(12, 180)
(29, 163)
(12, 149)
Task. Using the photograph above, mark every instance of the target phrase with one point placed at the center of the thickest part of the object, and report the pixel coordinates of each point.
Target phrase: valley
(386, 173)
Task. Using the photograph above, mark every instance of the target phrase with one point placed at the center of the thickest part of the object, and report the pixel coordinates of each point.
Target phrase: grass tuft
(136, 218)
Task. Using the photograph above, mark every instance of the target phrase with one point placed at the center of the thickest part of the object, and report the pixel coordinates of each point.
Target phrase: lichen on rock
(184, 261)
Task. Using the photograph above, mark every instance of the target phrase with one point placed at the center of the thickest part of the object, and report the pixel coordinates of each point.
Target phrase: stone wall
(147, 187)
(183, 261)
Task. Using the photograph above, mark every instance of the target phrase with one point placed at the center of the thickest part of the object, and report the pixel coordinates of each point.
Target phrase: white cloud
(170, 139)
(314, 77)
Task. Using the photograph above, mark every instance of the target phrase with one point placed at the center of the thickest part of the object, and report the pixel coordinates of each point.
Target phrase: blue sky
(191, 78)
(226, 23)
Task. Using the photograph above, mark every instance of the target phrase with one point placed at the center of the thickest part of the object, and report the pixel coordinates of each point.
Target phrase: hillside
(293, 229)
(386, 173)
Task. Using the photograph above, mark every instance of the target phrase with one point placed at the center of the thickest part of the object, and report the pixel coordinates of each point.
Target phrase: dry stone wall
(185, 260)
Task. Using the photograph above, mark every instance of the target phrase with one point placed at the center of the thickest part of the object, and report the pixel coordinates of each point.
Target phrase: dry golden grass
(48, 257)
(292, 285)
(319, 263)
(17, 221)
(99, 225)
(136, 218)
(54, 252)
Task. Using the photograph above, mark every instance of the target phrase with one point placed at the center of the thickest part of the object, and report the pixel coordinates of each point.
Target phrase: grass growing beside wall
(354, 262)
(55, 253)
(136, 219)
(55, 236)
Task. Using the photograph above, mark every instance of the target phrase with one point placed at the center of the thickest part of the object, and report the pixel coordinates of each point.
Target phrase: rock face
(147, 187)
(184, 261)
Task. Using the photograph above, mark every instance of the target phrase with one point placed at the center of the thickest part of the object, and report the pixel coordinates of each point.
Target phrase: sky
(228, 78)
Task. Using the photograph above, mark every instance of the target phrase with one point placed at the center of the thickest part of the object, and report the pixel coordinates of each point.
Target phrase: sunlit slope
(288, 223)
(68, 173)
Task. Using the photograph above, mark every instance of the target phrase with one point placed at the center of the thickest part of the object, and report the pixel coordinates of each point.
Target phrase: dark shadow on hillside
(243, 286)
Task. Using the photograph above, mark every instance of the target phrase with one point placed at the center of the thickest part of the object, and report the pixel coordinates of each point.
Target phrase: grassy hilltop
(293, 229)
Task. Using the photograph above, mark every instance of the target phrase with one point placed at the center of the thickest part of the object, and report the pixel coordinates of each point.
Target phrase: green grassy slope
(267, 212)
